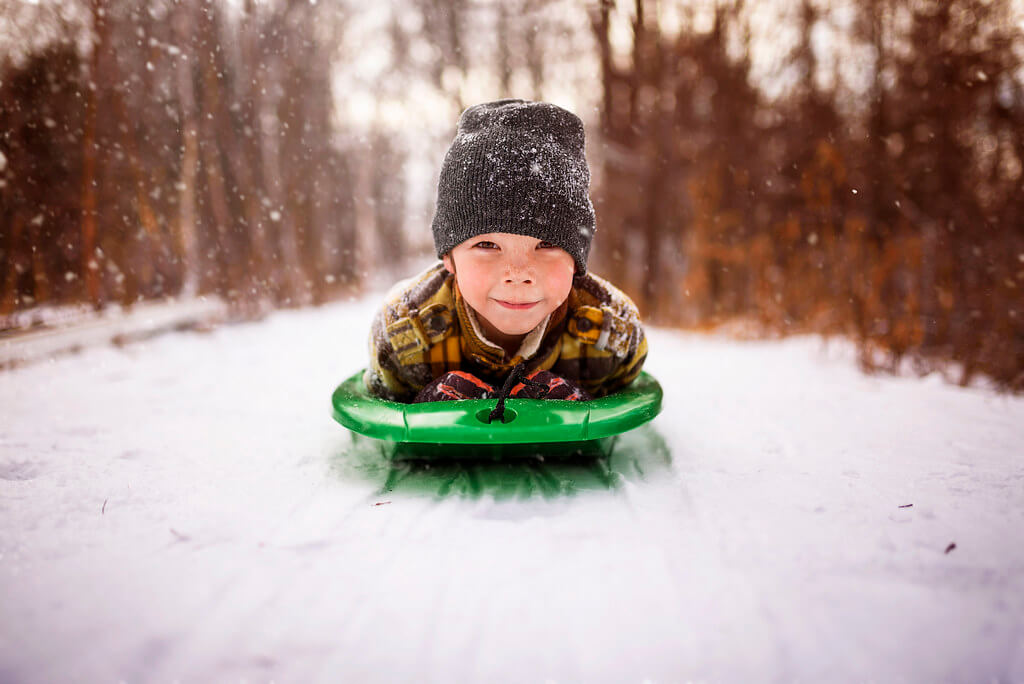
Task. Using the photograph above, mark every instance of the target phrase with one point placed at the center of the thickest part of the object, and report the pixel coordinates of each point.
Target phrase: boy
(511, 303)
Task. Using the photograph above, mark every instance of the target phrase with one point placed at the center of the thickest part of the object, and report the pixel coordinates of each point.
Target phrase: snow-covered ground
(185, 509)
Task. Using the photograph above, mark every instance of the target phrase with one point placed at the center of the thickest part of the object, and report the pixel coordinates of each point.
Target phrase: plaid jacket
(425, 329)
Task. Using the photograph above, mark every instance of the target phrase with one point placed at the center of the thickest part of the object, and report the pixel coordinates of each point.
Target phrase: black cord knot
(516, 376)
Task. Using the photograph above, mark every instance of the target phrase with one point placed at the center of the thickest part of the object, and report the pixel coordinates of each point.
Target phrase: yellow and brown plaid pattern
(595, 338)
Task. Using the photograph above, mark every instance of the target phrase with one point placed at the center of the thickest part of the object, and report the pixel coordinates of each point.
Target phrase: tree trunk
(187, 238)
(90, 270)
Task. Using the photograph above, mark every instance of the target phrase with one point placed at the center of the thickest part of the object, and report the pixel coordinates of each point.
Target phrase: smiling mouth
(516, 305)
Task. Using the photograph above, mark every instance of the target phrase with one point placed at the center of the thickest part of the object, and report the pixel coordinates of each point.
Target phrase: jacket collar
(477, 347)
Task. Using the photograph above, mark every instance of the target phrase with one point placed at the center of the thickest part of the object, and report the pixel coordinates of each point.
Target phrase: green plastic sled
(530, 427)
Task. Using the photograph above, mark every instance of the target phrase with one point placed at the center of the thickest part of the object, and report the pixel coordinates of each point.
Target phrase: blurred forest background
(850, 167)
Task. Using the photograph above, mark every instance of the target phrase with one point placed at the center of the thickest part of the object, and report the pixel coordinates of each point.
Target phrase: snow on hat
(516, 167)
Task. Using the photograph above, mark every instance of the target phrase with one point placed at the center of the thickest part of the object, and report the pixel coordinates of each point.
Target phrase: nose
(519, 277)
(518, 271)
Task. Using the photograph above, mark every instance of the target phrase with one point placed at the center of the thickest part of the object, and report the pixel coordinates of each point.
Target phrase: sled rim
(464, 421)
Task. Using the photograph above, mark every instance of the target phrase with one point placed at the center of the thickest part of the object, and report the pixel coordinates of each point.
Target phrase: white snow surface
(185, 509)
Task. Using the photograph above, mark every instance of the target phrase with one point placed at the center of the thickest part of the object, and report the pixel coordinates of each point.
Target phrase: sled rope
(518, 375)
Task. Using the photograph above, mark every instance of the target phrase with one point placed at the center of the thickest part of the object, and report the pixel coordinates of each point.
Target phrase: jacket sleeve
(631, 364)
(620, 340)
(385, 376)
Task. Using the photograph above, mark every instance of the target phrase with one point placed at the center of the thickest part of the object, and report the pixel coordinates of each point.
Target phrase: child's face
(511, 281)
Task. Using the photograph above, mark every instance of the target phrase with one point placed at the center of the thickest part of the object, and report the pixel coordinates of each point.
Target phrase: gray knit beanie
(516, 167)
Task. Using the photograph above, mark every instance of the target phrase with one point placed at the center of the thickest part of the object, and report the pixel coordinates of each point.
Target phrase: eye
(485, 244)
(544, 244)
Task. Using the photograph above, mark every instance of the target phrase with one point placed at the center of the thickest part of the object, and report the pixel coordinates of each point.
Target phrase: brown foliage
(185, 153)
(900, 223)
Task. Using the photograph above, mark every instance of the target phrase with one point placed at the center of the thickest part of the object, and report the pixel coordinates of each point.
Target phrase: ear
(448, 263)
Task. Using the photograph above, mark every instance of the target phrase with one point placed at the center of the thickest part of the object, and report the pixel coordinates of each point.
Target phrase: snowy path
(185, 509)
